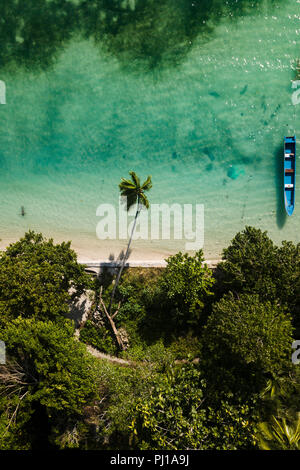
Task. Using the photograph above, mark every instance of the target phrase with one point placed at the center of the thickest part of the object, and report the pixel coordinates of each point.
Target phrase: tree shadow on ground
(152, 33)
(137, 32)
(108, 273)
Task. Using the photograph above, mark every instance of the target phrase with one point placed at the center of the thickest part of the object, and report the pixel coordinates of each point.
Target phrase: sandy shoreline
(95, 253)
(136, 264)
(109, 254)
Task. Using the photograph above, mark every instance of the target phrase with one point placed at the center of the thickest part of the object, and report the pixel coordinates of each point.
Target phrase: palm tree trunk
(138, 210)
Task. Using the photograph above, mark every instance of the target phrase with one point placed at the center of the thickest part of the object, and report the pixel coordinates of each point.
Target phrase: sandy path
(127, 363)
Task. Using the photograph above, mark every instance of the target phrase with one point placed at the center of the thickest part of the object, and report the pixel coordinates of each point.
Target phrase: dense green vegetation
(45, 385)
(39, 279)
(207, 357)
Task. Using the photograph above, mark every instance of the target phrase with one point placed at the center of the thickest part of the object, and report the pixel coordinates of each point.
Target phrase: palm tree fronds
(279, 434)
(135, 178)
(126, 184)
(134, 193)
(144, 200)
(147, 184)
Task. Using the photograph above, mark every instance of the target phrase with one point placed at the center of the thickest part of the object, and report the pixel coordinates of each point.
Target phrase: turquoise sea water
(209, 130)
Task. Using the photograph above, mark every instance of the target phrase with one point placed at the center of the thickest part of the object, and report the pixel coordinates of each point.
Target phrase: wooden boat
(289, 173)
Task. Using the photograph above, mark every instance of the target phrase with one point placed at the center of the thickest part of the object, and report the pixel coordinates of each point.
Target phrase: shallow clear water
(209, 131)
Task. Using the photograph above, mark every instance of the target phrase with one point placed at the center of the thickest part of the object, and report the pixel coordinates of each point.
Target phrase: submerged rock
(243, 91)
(234, 172)
(214, 94)
(209, 153)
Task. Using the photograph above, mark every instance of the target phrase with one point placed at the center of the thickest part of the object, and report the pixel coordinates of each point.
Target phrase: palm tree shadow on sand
(107, 273)
(281, 215)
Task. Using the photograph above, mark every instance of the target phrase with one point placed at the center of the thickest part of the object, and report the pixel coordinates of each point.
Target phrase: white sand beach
(94, 252)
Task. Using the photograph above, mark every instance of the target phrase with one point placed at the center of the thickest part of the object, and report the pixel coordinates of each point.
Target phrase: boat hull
(289, 174)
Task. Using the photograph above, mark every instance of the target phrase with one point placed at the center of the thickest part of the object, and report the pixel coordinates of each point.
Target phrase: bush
(178, 416)
(248, 341)
(253, 264)
(98, 337)
(182, 290)
(46, 383)
(39, 279)
(249, 264)
(287, 279)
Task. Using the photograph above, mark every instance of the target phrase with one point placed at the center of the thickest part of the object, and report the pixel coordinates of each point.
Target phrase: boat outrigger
(289, 173)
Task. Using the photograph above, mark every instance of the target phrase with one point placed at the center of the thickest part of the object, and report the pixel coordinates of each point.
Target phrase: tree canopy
(248, 341)
(254, 264)
(178, 415)
(47, 373)
(39, 279)
(207, 364)
(183, 288)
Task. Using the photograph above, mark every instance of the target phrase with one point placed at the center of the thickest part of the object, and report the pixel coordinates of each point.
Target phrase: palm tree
(135, 194)
(282, 430)
(280, 433)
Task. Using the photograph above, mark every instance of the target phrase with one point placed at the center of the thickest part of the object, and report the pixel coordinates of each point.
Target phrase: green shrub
(253, 264)
(178, 416)
(184, 286)
(176, 303)
(249, 265)
(39, 279)
(45, 384)
(246, 341)
(98, 337)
